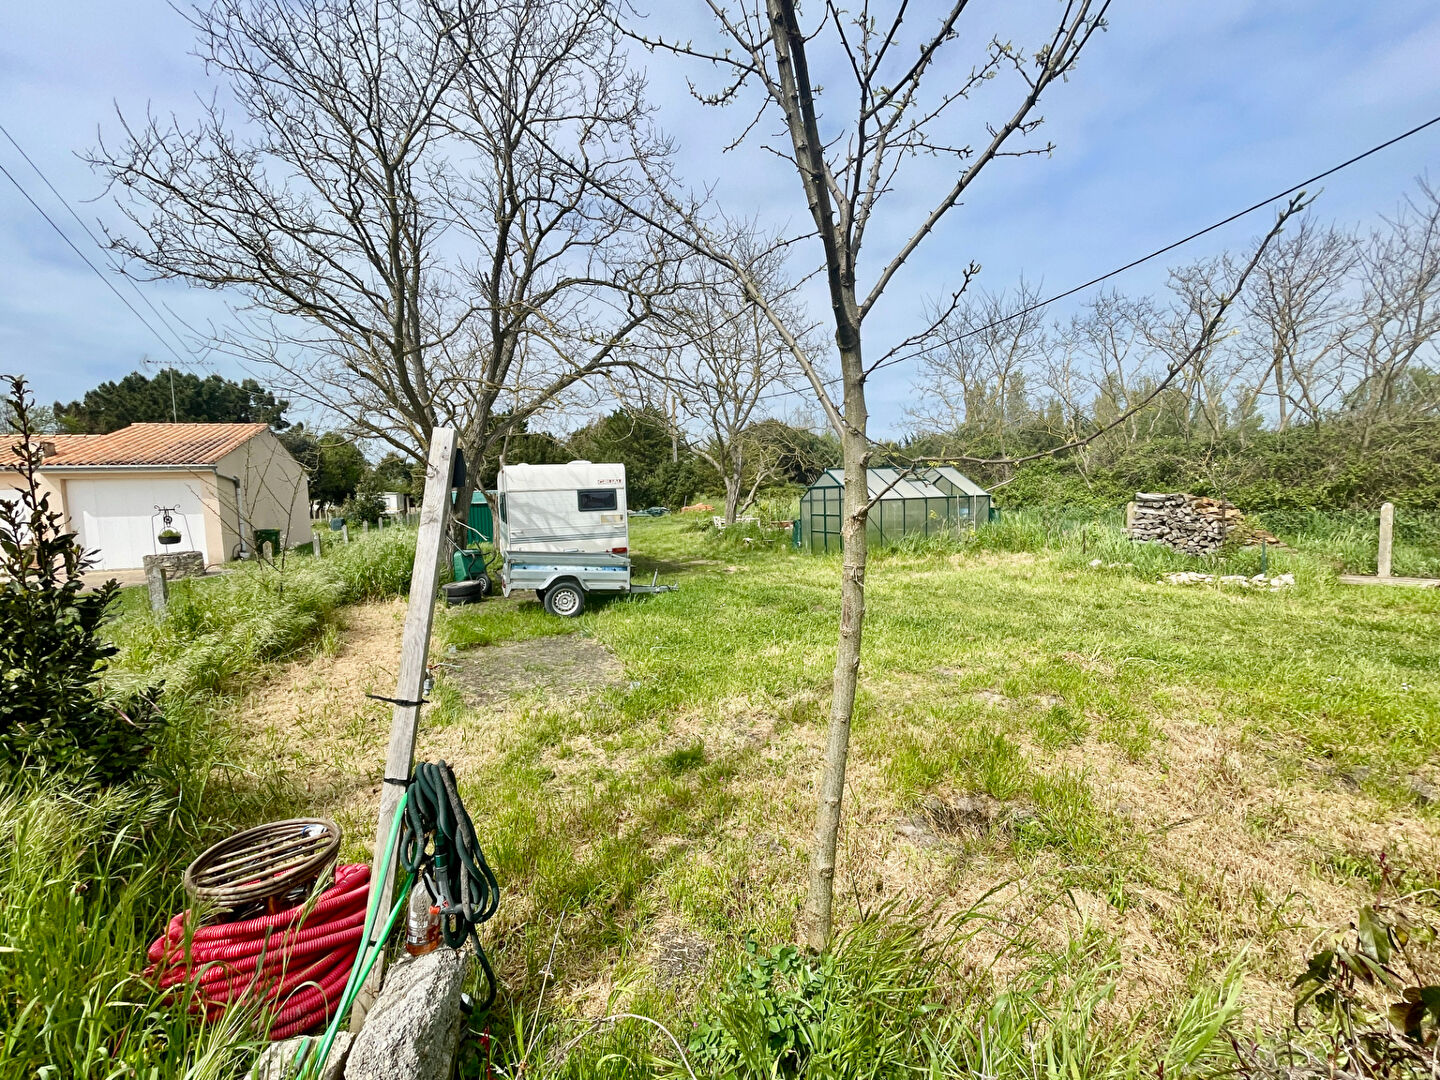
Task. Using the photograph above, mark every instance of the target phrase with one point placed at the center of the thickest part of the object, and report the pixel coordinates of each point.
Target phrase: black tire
(466, 592)
(565, 599)
(486, 585)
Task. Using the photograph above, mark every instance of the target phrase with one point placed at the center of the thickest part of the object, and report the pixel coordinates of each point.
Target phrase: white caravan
(564, 531)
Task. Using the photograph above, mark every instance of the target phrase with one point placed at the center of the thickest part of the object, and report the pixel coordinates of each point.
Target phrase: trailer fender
(555, 579)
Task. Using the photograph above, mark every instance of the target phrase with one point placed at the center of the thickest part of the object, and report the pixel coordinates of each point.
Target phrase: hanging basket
(169, 537)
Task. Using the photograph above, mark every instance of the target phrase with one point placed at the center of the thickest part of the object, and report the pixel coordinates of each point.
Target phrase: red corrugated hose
(296, 962)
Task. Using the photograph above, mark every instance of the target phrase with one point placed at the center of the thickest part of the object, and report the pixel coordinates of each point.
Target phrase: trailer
(564, 531)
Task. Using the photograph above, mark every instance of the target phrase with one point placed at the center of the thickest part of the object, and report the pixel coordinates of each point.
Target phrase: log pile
(1194, 524)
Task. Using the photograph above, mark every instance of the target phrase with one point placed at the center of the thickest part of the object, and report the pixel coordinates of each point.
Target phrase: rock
(412, 1030)
(177, 564)
(1355, 775)
(1424, 793)
(274, 1062)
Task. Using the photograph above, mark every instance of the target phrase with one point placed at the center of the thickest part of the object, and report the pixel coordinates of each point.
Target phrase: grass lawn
(1152, 788)
(1091, 819)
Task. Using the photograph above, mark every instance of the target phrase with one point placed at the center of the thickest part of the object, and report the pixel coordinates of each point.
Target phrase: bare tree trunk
(1284, 419)
(732, 498)
(843, 176)
(472, 449)
(855, 549)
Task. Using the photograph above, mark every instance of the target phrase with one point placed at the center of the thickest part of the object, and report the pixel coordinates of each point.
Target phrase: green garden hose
(312, 1065)
(439, 845)
(454, 868)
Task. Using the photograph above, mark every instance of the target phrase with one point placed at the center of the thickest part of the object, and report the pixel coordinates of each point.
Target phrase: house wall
(10, 489)
(274, 492)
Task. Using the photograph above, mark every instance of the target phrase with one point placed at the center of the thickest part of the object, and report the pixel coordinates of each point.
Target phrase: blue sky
(1178, 115)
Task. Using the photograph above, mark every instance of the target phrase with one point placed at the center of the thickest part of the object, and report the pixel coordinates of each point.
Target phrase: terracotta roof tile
(146, 444)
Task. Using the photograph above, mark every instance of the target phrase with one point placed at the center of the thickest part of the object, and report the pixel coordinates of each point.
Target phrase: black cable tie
(395, 780)
(399, 701)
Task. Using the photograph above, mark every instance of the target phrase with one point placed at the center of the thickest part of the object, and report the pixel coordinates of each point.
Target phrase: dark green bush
(53, 712)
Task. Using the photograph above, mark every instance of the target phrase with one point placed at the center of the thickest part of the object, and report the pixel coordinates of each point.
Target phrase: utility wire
(1136, 262)
(83, 258)
(97, 241)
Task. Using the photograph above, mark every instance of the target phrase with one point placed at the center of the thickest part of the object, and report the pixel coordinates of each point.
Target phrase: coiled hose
(297, 960)
(309, 961)
(439, 846)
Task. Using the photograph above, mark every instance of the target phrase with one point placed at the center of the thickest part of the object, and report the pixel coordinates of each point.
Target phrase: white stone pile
(1193, 524)
(1259, 581)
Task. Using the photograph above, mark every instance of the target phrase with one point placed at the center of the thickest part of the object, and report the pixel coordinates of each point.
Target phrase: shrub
(363, 506)
(53, 712)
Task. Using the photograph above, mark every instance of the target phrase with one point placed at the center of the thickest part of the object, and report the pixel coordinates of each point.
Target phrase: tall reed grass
(88, 876)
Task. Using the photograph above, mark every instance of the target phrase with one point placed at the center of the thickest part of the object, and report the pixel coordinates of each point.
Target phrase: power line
(1143, 259)
(96, 240)
(83, 258)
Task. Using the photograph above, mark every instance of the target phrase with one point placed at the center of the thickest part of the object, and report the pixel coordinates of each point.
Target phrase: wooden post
(345, 532)
(315, 542)
(364, 526)
(410, 683)
(159, 590)
(1387, 536)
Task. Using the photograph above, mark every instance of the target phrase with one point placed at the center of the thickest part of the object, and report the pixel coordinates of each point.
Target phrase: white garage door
(117, 518)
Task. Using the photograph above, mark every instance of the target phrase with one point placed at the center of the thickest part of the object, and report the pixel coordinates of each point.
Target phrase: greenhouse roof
(959, 479)
(895, 485)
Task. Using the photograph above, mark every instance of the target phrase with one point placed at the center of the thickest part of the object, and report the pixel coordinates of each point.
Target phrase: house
(220, 484)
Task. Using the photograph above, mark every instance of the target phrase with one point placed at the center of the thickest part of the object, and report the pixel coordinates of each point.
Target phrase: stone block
(413, 1029)
(157, 587)
(275, 1061)
(177, 564)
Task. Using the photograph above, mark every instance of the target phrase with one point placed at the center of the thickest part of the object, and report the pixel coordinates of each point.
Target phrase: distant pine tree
(139, 398)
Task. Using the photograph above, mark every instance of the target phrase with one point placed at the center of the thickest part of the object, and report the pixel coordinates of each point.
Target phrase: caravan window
(599, 499)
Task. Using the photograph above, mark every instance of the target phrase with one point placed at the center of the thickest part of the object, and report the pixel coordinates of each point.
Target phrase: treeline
(1322, 391)
(1319, 466)
(662, 468)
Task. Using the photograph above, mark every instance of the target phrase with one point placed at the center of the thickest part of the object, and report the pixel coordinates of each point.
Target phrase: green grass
(1350, 541)
(88, 878)
(998, 665)
(985, 655)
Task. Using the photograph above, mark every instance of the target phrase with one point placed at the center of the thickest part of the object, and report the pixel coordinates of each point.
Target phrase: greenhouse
(928, 501)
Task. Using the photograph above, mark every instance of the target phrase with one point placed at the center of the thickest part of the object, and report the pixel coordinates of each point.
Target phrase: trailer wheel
(565, 598)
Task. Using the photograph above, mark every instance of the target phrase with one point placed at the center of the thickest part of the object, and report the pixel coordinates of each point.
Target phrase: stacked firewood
(1194, 524)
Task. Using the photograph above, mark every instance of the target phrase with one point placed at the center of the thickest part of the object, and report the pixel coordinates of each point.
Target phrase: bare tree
(1297, 325)
(721, 362)
(410, 258)
(993, 348)
(1105, 345)
(319, 206)
(1399, 316)
(896, 116)
(564, 274)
